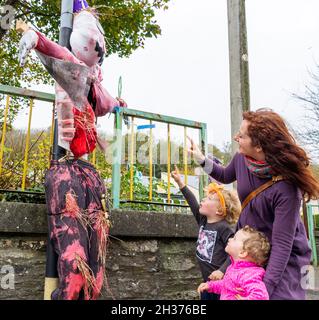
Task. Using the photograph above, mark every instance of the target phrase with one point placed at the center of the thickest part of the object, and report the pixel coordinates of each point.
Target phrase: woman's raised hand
(195, 151)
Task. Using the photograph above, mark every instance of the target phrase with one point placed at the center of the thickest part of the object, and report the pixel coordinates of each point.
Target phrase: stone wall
(151, 255)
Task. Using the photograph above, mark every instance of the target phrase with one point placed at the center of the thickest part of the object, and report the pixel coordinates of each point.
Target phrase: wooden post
(238, 64)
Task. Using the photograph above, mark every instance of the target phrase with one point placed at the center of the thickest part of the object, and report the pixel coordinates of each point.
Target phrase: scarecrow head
(87, 38)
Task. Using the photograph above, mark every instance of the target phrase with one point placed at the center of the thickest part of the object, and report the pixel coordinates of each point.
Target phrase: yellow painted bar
(185, 156)
(169, 163)
(151, 163)
(132, 160)
(51, 134)
(4, 131)
(94, 157)
(26, 151)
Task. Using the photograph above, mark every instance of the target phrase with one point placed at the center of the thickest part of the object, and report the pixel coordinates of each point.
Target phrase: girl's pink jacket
(245, 276)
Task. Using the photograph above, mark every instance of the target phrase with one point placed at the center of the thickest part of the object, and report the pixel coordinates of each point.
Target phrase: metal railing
(32, 95)
(312, 231)
(119, 115)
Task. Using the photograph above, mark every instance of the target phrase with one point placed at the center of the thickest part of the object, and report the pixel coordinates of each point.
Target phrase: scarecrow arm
(54, 50)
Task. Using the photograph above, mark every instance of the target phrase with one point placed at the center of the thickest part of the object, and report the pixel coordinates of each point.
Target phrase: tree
(315, 170)
(309, 133)
(127, 24)
(223, 155)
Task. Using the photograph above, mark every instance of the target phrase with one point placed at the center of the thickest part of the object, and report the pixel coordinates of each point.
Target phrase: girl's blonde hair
(257, 245)
(231, 201)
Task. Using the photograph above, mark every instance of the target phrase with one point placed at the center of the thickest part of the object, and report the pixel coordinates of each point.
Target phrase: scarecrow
(75, 193)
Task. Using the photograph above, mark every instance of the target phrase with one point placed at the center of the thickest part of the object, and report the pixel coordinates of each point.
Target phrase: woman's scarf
(260, 169)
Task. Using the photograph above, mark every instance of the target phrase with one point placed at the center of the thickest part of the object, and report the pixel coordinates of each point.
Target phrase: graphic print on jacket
(206, 244)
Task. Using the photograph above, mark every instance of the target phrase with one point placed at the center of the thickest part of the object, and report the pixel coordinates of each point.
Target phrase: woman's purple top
(276, 213)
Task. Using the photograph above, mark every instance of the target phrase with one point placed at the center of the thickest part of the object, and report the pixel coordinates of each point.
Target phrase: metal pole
(27, 144)
(238, 64)
(185, 157)
(51, 135)
(132, 160)
(64, 41)
(305, 216)
(151, 162)
(169, 163)
(51, 274)
(117, 159)
(203, 179)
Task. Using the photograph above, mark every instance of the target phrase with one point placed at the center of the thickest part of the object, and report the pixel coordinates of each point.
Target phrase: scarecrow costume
(75, 193)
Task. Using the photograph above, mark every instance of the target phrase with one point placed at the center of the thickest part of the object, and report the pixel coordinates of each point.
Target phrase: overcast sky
(185, 72)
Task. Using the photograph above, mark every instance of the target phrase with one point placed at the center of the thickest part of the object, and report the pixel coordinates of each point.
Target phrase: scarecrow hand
(122, 103)
(28, 42)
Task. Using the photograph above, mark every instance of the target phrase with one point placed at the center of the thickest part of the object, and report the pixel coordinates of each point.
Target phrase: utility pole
(51, 273)
(238, 65)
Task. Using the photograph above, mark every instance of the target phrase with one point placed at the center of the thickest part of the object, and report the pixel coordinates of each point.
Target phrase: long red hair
(268, 130)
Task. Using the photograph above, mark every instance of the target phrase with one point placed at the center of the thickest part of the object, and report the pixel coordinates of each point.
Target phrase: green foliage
(224, 155)
(12, 74)
(127, 24)
(13, 162)
(315, 170)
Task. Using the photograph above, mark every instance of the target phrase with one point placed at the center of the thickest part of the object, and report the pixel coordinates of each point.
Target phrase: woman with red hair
(268, 154)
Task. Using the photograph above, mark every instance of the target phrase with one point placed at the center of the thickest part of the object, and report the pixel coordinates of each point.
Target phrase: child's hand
(238, 296)
(202, 287)
(216, 275)
(176, 176)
